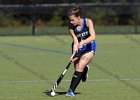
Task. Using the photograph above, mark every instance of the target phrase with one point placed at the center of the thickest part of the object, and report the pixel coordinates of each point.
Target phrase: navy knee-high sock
(75, 80)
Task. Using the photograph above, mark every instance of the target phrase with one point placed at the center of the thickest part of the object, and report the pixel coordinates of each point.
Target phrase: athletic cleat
(85, 73)
(70, 93)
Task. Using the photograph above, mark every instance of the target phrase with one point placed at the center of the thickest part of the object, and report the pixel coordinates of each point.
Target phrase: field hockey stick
(61, 77)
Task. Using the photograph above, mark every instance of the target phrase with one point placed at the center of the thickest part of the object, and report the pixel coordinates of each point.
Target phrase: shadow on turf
(47, 92)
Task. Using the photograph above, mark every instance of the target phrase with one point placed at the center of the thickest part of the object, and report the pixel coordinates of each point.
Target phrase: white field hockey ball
(52, 93)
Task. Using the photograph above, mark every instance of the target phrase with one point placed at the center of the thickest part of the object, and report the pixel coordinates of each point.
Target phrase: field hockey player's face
(74, 20)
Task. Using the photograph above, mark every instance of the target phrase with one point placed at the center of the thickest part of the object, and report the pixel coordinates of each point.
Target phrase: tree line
(64, 1)
(101, 15)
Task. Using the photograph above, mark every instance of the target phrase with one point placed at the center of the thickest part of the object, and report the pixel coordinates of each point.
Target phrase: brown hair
(75, 10)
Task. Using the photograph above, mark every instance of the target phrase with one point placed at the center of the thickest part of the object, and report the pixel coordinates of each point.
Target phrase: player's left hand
(73, 59)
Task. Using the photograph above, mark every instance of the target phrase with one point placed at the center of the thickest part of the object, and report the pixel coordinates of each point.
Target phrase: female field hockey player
(83, 35)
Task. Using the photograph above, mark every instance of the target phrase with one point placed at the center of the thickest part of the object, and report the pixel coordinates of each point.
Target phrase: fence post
(33, 17)
(136, 18)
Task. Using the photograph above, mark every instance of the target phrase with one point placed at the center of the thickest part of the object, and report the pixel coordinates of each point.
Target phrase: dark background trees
(64, 1)
(109, 15)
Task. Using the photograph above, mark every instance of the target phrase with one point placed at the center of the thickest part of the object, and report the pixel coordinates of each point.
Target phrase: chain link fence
(51, 19)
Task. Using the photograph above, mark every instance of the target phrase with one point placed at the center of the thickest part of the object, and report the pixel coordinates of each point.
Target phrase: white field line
(42, 81)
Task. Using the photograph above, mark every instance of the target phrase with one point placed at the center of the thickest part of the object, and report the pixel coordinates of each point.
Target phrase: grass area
(31, 64)
(63, 30)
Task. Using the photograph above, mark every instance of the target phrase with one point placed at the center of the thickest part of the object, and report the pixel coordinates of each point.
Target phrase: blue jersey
(82, 35)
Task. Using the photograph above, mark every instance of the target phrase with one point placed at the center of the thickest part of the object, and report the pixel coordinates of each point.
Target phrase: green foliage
(61, 1)
(7, 20)
(100, 15)
(55, 21)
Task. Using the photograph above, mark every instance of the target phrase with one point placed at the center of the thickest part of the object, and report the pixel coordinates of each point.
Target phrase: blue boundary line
(35, 48)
